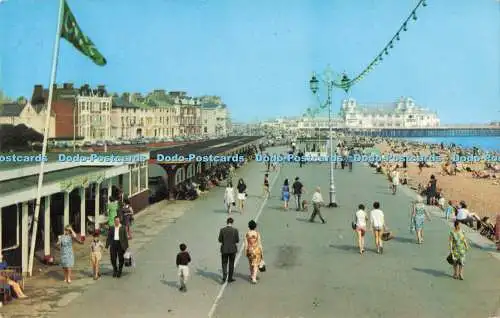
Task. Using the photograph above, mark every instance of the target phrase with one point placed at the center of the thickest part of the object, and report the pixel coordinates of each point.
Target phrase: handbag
(127, 259)
(262, 266)
(450, 259)
(353, 225)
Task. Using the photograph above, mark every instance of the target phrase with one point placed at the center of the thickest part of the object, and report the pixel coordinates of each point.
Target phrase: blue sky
(258, 55)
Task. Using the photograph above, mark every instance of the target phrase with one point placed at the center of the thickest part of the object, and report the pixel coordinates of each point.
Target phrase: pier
(441, 131)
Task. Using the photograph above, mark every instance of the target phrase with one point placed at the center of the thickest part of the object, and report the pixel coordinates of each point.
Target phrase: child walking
(182, 261)
(96, 248)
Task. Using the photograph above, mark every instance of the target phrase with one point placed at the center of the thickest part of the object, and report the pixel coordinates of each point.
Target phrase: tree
(18, 137)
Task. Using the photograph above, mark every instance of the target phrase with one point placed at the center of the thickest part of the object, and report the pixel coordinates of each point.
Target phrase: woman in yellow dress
(253, 249)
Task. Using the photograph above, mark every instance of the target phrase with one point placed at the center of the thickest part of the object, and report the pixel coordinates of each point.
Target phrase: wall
(64, 118)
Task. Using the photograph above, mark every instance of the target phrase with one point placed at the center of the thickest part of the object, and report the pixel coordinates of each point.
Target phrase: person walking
(377, 222)
(118, 241)
(317, 201)
(127, 216)
(418, 215)
(285, 193)
(229, 197)
(297, 192)
(65, 242)
(253, 249)
(458, 250)
(96, 248)
(182, 261)
(112, 209)
(266, 193)
(242, 195)
(395, 180)
(361, 222)
(228, 237)
(431, 191)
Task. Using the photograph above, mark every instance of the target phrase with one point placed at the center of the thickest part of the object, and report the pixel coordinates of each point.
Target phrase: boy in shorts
(182, 261)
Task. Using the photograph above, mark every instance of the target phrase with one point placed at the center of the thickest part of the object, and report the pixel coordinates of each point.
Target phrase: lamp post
(329, 84)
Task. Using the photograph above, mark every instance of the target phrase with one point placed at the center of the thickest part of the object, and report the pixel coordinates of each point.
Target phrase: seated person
(404, 179)
(464, 216)
(4, 279)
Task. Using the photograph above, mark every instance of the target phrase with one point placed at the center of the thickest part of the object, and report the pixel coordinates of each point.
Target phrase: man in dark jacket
(118, 241)
(297, 192)
(228, 237)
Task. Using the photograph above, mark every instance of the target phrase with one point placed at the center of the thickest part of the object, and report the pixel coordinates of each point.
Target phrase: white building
(214, 119)
(93, 114)
(401, 114)
(33, 116)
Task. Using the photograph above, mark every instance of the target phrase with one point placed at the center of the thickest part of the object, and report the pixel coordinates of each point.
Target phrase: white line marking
(223, 288)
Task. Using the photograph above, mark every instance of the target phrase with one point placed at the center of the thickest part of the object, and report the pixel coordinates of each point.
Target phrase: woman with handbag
(418, 216)
(253, 249)
(458, 250)
(359, 225)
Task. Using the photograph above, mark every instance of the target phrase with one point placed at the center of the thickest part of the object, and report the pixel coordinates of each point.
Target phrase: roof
(11, 110)
(209, 147)
(210, 105)
(119, 102)
(28, 182)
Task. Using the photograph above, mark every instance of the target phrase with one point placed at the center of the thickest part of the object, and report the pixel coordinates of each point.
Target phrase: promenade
(314, 270)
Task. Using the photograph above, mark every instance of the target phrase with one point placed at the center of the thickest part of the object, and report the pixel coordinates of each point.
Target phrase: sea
(484, 143)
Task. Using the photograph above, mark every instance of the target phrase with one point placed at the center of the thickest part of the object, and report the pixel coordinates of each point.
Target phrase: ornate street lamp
(345, 84)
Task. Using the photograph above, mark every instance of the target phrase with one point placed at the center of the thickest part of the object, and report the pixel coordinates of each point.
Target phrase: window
(144, 181)
(205, 129)
(134, 181)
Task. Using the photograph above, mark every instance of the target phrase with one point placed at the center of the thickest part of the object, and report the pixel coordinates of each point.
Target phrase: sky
(259, 55)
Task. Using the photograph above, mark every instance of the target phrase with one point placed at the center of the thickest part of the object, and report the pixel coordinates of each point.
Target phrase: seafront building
(91, 114)
(404, 113)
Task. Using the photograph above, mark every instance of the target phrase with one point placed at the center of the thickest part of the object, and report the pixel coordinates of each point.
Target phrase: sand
(481, 195)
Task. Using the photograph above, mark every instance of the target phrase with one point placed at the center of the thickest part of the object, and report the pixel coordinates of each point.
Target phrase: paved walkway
(314, 270)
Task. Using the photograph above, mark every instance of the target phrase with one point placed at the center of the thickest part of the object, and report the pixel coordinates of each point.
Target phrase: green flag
(70, 30)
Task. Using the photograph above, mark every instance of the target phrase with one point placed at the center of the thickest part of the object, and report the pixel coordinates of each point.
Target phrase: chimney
(37, 94)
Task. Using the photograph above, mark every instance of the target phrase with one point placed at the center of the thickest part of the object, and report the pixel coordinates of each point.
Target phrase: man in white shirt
(377, 221)
(317, 201)
(118, 241)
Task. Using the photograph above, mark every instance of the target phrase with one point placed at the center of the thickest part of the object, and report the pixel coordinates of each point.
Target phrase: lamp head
(314, 84)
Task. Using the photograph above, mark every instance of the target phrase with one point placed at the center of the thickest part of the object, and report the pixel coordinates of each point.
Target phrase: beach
(480, 193)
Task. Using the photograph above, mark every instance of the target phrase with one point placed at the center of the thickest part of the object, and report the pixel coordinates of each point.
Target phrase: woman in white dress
(229, 197)
(395, 180)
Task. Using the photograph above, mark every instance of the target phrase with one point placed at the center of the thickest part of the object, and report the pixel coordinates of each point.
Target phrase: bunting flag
(70, 30)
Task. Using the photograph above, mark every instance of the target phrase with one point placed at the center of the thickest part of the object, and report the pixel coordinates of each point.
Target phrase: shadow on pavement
(348, 248)
(169, 283)
(58, 275)
(433, 272)
(404, 239)
(216, 277)
(220, 211)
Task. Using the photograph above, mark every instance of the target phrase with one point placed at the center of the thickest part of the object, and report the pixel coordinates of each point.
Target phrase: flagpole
(45, 137)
